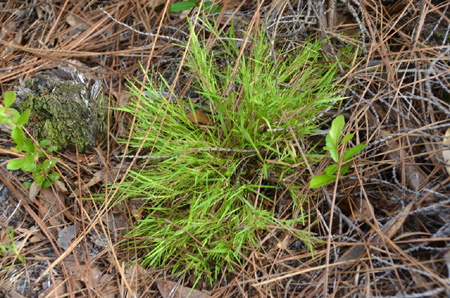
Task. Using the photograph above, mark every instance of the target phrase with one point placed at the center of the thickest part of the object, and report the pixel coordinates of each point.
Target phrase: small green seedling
(9, 248)
(333, 145)
(43, 173)
(189, 4)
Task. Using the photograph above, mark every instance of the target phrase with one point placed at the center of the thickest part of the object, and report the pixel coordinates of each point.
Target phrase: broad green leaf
(8, 124)
(46, 184)
(321, 180)
(334, 155)
(347, 138)
(335, 132)
(14, 164)
(330, 170)
(13, 114)
(40, 179)
(53, 176)
(329, 142)
(24, 117)
(182, 6)
(208, 7)
(352, 151)
(26, 184)
(48, 165)
(28, 146)
(344, 169)
(207, 4)
(36, 172)
(28, 164)
(18, 136)
(43, 143)
(9, 98)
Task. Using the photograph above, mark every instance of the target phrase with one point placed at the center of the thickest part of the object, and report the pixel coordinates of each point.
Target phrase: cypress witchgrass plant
(210, 197)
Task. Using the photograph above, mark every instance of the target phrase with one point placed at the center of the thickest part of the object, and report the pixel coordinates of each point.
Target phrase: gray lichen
(65, 109)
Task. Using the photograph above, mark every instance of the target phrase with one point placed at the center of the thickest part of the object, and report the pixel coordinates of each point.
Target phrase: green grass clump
(215, 199)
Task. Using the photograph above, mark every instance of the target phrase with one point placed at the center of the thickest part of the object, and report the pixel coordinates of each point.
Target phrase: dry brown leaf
(66, 236)
(108, 285)
(166, 286)
(389, 230)
(97, 178)
(34, 190)
(57, 289)
(198, 118)
(50, 207)
(102, 175)
(77, 22)
(135, 272)
(361, 213)
(135, 275)
(89, 275)
(413, 174)
(9, 50)
(121, 98)
(153, 3)
(61, 186)
(135, 208)
(446, 150)
(115, 222)
(38, 237)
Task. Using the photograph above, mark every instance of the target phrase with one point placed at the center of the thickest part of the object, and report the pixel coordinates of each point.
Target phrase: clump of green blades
(208, 201)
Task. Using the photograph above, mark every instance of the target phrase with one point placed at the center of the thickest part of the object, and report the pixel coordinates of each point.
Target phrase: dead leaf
(135, 272)
(102, 175)
(115, 223)
(414, 175)
(89, 275)
(135, 275)
(135, 208)
(6, 51)
(364, 212)
(121, 97)
(50, 207)
(61, 186)
(389, 230)
(108, 286)
(198, 118)
(446, 150)
(166, 286)
(153, 3)
(57, 289)
(65, 236)
(77, 22)
(37, 238)
(34, 190)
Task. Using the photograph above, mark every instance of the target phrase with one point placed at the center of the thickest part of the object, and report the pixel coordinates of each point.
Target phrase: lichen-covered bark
(63, 112)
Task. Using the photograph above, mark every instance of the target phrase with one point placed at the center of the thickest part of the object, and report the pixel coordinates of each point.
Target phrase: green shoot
(333, 146)
(189, 4)
(8, 246)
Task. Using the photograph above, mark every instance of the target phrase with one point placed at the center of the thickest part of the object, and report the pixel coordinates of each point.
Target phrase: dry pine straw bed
(388, 231)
